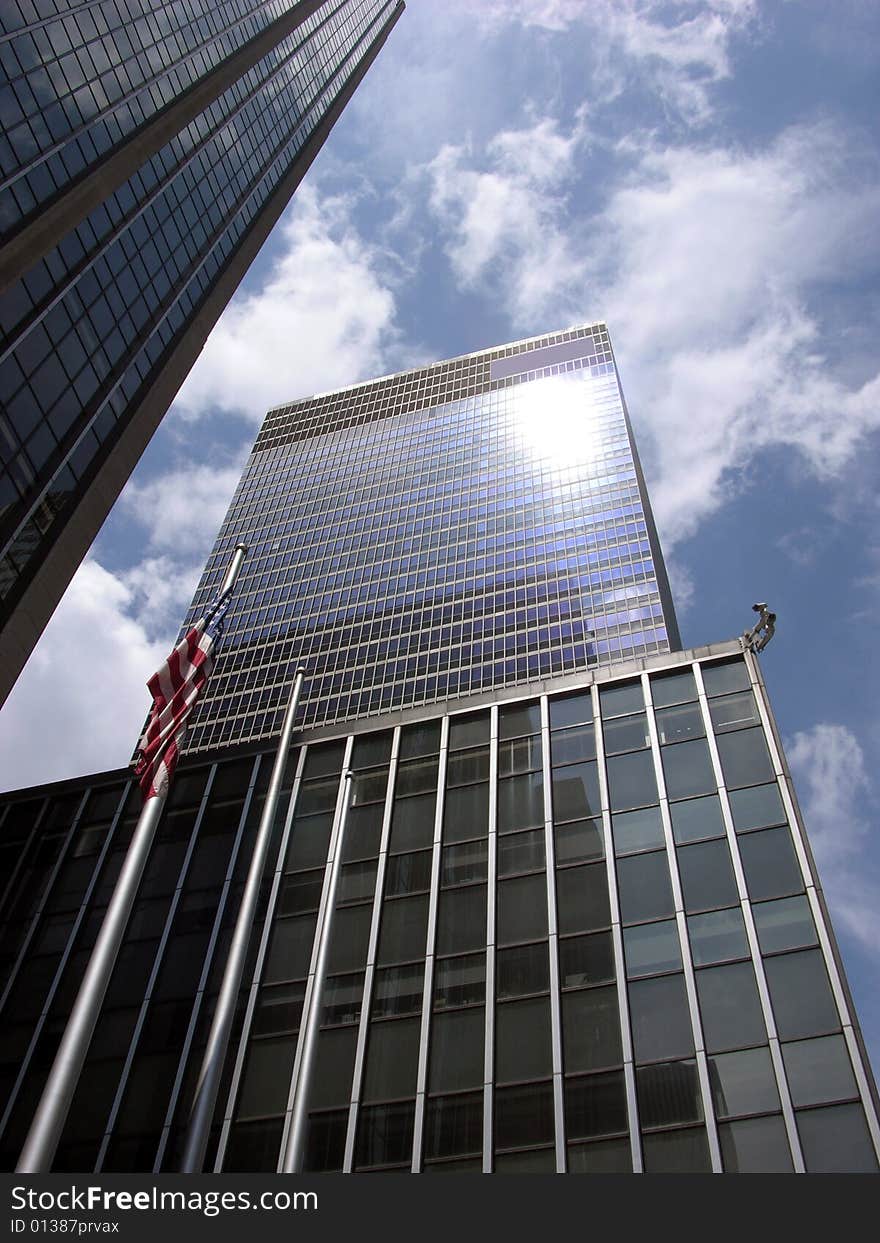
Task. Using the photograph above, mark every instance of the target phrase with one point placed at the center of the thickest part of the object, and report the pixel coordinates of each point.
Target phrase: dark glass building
(147, 148)
(576, 926)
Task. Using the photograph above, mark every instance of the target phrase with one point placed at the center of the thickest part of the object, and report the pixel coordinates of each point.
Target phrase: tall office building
(577, 926)
(147, 150)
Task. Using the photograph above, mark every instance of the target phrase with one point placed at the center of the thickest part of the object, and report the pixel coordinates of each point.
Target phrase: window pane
(463, 863)
(468, 766)
(595, 1105)
(333, 1068)
(688, 769)
(716, 936)
(637, 830)
(786, 924)
(402, 930)
(408, 873)
(745, 759)
(524, 1115)
(538, 1161)
(661, 1024)
(801, 995)
(412, 823)
(348, 938)
(819, 1071)
(836, 1141)
(456, 1057)
(371, 749)
(325, 1150)
(707, 878)
(571, 745)
(461, 920)
(730, 1007)
(522, 909)
(743, 1083)
(627, 733)
(342, 999)
(521, 756)
(673, 688)
(755, 1146)
(465, 813)
(524, 969)
(722, 679)
(392, 1059)
(279, 1009)
(652, 948)
(514, 720)
(678, 724)
(698, 818)
(290, 949)
(570, 710)
(757, 807)
(582, 898)
(398, 990)
(520, 802)
(419, 777)
(266, 1079)
(770, 865)
(576, 791)
(522, 1040)
(363, 833)
(521, 852)
(460, 981)
(357, 881)
(454, 1125)
(467, 731)
(611, 1156)
(579, 842)
(590, 1029)
(734, 711)
(644, 887)
(631, 780)
(384, 1135)
(586, 960)
(668, 1093)
(620, 700)
(421, 739)
(676, 1152)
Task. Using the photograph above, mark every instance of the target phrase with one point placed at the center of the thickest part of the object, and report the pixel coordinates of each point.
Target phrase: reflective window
(801, 995)
(590, 1029)
(453, 1125)
(579, 841)
(661, 1025)
(644, 887)
(582, 898)
(743, 1083)
(571, 745)
(521, 852)
(520, 803)
(637, 830)
(522, 909)
(392, 1059)
(755, 1146)
(716, 936)
(631, 781)
(652, 948)
(620, 700)
(745, 760)
(576, 791)
(669, 1092)
(707, 878)
(676, 1152)
(456, 1053)
(678, 724)
(461, 920)
(734, 712)
(785, 924)
(570, 710)
(627, 733)
(523, 969)
(756, 807)
(722, 679)
(673, 688)
(697, 819)
(398, 990)
(819, 1071)
(836, 1140)
(687, 769)
(460, 981)
(770, 865)
(586, 960)
(595, 1105)
(524, 1115)
(730, 1007)
(522, 1040)
(384, 1135)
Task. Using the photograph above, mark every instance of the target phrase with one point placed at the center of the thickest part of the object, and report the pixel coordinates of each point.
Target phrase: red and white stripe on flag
(175, 688)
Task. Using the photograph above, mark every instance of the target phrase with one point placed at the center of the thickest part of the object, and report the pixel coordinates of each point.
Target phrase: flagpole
(208, 1083)
(295, 1150)
(51, 1113)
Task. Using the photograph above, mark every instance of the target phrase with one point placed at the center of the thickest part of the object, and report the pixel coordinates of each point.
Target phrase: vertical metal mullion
(629, 1074)
(206, 969)
(254, 989)
(65, 958)
(154, 972)
(681, 925)
(324, 913)
(812, 886)
(430, 943)
(553, 944)
(370, 972)
(491, 917)
(751, 932)
(44, 897)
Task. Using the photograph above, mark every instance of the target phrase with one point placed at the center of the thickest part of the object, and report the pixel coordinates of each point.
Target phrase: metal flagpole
(208, 1083)
(295, 1151)
(51, 1113)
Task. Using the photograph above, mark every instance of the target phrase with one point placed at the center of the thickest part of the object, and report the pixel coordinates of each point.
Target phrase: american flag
(175, 688)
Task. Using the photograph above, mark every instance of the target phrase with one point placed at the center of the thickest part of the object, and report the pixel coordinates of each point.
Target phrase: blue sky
(706, 178)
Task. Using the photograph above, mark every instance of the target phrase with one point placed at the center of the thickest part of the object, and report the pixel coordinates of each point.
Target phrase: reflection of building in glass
(577, 926)
(145, 158)
(479, 523)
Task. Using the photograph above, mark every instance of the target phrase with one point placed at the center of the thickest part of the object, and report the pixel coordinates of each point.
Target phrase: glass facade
(147, 149)
(576, 932)
(501, 535)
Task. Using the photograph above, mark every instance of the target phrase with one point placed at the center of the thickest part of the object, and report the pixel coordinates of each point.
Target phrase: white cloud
(182, 510)
(828, 765)
(323, 319)
(82, 699)
(706, 263)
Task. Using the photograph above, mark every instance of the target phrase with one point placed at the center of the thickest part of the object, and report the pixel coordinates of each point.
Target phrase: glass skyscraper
(147, 148)
(475, 524)
(556, 867)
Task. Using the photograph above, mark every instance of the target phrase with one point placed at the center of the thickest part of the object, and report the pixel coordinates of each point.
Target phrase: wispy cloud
(835, 791)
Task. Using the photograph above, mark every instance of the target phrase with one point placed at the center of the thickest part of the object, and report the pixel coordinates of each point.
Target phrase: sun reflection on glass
(556, 419)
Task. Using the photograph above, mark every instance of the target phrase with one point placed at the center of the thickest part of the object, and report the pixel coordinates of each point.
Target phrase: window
(697, 819)
(522, 1040)
(456, 1056)
(745, 760)
(687, 769)
(755, 1146)
(756, 807)
(743, 1083)
(669, 1093)
(725, 678)
(392, 1059)
(522, 909)
(644, 887)
(631, 781)
(716, 936)
(637, 830)
(582, 898)
(730, 1007)
(769, 863)
(523, 969)
(586, 960)
(590, 1029)
(801, 995)
(652, 948)
(595, 1105)
(785, 924)
(819, 1071)
(707, 878)
(661, 1024)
